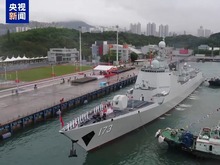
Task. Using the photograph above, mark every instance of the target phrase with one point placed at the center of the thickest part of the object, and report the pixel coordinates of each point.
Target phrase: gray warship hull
(96, 134)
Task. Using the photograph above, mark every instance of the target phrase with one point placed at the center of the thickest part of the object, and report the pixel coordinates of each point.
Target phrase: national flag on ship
(60, 118)
(61, 121)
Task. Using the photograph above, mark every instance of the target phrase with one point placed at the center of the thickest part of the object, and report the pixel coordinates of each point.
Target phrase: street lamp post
(53, 74)
(117, 46)
(5, 73)
(17, 81)
(80, 51)
(52, 70)
(212, 53)
(16, 74)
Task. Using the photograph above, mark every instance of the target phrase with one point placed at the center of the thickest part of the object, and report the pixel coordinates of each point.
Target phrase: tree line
(37, 42)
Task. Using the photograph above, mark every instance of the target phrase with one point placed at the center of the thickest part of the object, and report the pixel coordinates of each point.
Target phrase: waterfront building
(62, 55)
(102, 48)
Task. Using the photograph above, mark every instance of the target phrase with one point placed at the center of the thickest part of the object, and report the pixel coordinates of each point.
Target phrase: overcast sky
(180, 15)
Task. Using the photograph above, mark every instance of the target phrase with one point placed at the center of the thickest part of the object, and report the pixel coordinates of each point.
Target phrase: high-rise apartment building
(207, 33)
(204, 32)
(166, 30)
(200, 32)
(163, 31)
(138, 28)
(148, 30)
(132, 28)
(151, 29)
(135, 28)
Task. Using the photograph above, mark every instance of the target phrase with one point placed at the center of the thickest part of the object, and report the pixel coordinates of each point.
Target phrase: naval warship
(159, 87)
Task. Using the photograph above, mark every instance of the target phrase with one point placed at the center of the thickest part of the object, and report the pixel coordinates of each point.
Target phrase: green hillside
(38, 41)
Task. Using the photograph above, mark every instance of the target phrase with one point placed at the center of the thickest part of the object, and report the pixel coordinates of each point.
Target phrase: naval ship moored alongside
(159, 87)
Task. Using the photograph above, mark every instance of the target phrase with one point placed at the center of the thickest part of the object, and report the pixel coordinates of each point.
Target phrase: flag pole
(16, 73)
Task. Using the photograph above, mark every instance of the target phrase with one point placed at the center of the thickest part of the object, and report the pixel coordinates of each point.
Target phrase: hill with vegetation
(37, 42)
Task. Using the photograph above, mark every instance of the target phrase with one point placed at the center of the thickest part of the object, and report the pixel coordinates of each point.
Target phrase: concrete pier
(34, 106)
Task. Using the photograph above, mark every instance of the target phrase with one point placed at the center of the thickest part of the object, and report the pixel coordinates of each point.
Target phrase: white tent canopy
(7, 59)
(104, 67)
(25, 58)
(13, 58)
(18, 58)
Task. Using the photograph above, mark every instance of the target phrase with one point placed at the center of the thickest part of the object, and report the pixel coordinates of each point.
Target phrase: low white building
(204, 47)
(62, 55)
(102, 48)
(149, 48)
(22, 29)
(124, 51)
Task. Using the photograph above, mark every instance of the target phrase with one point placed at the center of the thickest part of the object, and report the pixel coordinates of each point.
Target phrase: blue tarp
(102, 84)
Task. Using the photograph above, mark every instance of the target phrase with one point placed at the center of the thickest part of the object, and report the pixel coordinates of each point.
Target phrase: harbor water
(44, 145)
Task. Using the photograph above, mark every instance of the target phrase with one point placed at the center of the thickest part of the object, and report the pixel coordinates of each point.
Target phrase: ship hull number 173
(105, 130)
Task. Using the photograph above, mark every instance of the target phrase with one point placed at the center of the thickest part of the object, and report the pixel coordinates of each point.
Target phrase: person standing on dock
(69, 80)
(142, 97)
(61, 100)
(16, 91)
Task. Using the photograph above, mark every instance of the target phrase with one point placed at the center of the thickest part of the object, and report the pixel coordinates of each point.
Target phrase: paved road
(26, 87)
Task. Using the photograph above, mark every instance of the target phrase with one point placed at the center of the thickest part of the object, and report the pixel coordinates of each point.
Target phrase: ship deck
(207, 133)
(133, 105)
(172, 135)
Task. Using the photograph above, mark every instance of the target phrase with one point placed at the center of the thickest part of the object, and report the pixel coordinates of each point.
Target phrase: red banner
(183, 51)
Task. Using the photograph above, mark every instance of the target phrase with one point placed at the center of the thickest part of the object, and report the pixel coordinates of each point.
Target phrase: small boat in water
(205, 145)
(215, 82)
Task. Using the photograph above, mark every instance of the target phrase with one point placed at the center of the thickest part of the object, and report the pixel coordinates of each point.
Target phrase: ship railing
(101, 109)
(83, 118)
(205, 133)
(76, 122)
